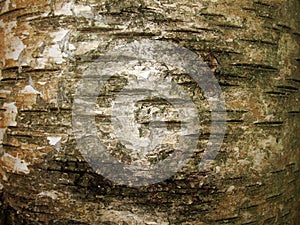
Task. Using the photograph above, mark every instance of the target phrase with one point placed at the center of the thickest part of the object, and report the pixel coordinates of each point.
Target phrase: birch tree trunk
(251, 46)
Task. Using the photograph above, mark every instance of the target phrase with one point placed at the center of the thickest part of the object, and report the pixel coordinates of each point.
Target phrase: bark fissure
(251, 46)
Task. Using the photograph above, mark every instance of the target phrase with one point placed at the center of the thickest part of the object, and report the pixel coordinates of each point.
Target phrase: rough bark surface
(251, 46)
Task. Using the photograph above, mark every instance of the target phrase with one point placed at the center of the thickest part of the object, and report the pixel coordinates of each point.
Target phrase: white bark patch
(9, 27)
(230, 189)
(85, 47)
(15, 163)
(10, 113)
(4, 93)
(271, 143)
(83, 11)
(41, 83)
(49, 194)
(218, 169)
(55, 141)
(41, 62)
(142, 71)
(15, 46)
(21, 166)
(55, 53)
(66, 9)
(30, 90)
(259, 157)
(59, 35)
(6, 6)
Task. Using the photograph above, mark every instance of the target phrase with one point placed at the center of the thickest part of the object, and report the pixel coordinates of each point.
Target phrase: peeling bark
(251, 46)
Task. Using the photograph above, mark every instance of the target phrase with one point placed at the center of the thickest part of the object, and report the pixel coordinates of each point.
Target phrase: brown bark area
(251, 46)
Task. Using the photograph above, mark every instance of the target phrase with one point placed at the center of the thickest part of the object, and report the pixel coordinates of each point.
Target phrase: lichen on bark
(251, 46)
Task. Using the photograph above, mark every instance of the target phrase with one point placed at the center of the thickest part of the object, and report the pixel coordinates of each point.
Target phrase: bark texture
(252, 47)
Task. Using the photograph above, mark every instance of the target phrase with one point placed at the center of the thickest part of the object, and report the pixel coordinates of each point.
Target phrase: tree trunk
(252, 48)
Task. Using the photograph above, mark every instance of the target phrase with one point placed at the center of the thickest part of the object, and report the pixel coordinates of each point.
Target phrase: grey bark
(252, 47)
